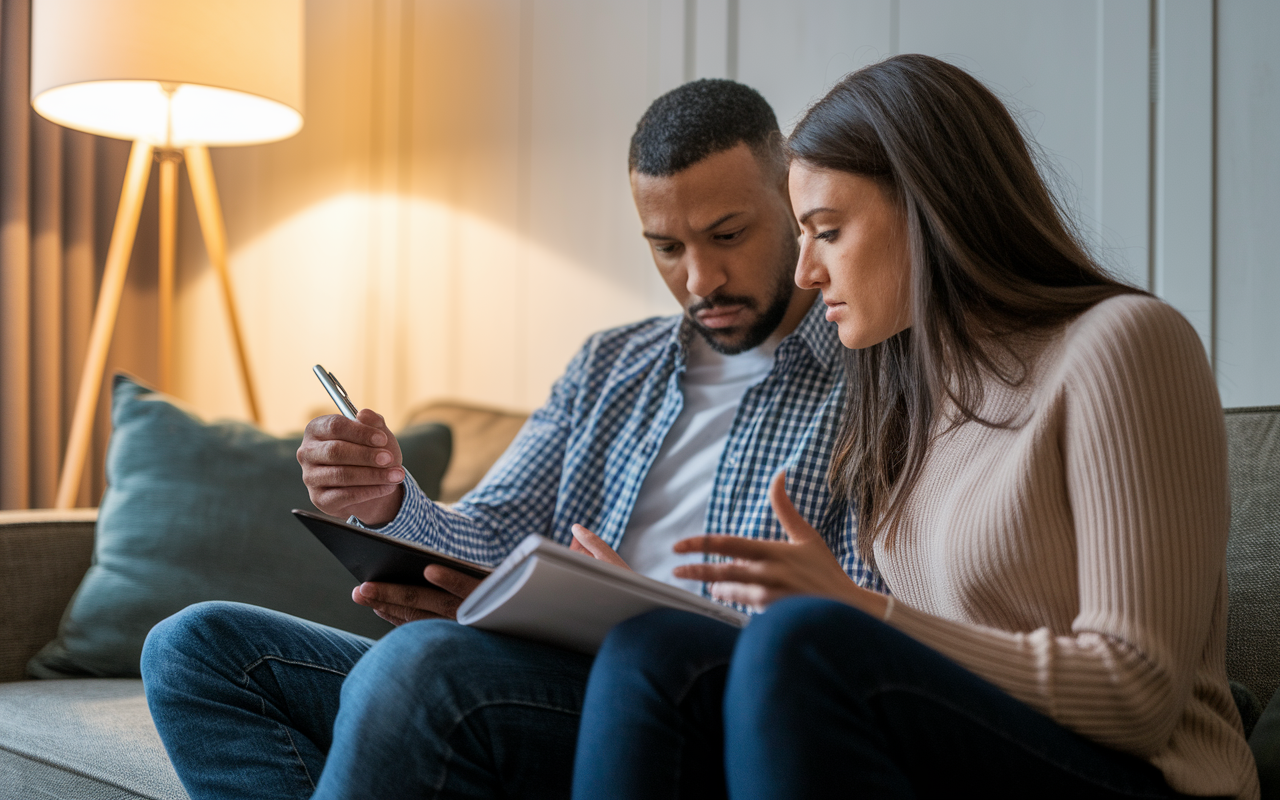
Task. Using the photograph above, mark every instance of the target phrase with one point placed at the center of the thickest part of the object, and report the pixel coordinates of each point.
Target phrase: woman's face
(853, 246)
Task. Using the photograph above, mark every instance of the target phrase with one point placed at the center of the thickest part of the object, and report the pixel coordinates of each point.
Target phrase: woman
(1039, 461)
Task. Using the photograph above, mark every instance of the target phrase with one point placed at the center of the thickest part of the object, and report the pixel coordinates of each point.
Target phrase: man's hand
(399, 604)
(353, 468)
(763, 572)
(586, 542)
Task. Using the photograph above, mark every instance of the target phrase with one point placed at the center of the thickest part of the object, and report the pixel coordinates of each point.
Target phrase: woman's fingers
(795, 525)
(732, 546)
(746, 594)
(758, 572)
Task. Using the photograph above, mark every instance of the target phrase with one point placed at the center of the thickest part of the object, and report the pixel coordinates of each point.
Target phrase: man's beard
(764, 326)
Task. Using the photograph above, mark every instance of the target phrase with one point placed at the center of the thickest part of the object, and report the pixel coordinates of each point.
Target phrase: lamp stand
(209, 212)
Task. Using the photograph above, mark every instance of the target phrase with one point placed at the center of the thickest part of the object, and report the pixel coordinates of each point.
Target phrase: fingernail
(366, 590)
(379, 439)
(383, 459)
(395, 476)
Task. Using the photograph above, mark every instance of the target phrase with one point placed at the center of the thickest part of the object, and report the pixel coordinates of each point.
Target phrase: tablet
(372, 556)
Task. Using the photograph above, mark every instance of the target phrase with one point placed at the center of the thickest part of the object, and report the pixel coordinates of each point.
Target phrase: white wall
(454, 218)
(1248, 203)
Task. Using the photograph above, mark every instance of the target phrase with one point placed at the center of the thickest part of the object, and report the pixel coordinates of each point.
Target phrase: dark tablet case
(372, 556)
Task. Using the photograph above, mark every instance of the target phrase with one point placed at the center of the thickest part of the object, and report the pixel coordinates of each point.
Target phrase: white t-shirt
(673, 500)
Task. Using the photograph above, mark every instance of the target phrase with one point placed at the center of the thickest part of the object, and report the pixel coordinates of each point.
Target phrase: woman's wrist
(873, 603)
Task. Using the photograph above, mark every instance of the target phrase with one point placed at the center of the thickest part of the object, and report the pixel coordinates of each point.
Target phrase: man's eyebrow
(805, 216)
(711, 227)
(722, 221)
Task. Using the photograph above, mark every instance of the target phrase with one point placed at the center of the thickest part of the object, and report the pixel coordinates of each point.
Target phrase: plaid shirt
(582, 457)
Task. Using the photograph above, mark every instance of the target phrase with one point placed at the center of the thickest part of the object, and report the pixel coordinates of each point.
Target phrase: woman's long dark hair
(992, 254)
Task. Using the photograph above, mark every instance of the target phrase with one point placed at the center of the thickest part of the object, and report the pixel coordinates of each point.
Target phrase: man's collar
(818, 335)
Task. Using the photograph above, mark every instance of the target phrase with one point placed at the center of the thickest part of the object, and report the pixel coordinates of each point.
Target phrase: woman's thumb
(797, 529)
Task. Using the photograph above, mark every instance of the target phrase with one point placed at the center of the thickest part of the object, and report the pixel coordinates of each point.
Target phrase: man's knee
(191, 629)
(433, 645)
(430, 674)
(435, 658)
(197, 632)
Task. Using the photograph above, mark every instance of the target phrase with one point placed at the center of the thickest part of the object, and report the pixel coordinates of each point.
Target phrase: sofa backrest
(480, 436)
(43, 556)
(1253, 551)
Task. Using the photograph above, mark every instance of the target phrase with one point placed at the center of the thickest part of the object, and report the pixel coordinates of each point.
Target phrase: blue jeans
(253, 703)
(817, 699)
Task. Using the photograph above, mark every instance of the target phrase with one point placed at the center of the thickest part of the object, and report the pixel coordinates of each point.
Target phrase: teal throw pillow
(200, 511)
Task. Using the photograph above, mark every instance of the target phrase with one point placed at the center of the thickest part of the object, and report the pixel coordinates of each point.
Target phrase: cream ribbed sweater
(1077, 560)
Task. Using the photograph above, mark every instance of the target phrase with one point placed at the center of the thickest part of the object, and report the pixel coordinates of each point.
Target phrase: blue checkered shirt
(583, 456)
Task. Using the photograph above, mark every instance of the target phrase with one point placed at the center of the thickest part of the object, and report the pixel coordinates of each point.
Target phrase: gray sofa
(93, 738)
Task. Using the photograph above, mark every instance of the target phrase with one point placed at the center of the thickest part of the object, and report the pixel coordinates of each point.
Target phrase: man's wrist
(385, 512)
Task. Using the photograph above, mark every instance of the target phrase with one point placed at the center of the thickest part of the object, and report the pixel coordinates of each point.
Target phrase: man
(658, 430)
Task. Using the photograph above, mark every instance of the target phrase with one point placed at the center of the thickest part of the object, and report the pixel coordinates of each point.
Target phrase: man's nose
(704, 274)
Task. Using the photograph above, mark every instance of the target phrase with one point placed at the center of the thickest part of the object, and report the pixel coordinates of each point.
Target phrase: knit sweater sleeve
(1143, 449)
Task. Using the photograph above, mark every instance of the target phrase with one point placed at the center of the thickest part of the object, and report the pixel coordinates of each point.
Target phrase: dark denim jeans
(253, 703)
(816, 699)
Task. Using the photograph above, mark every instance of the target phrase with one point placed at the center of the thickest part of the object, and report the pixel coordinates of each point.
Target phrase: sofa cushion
(1253, 550)
(82, 738)
(200, 511)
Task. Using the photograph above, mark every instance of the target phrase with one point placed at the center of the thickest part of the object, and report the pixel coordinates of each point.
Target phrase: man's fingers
(732, 546)
(399, 615)
(452, 581)
(595, 546)
(336, 426)
(348, 476)
(340, 497)
(795, 525)
(371, 418)
(422, 598)
(337, 452)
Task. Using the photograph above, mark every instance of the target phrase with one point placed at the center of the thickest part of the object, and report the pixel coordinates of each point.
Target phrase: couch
(93, 738)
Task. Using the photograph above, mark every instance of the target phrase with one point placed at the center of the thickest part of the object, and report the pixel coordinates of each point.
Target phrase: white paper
(547, 592)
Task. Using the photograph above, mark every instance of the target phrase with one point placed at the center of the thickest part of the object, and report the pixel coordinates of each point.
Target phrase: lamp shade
(172, 73)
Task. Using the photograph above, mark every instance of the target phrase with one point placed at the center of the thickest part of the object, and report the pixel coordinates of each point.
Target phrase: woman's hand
(587, 543)
(763, 572)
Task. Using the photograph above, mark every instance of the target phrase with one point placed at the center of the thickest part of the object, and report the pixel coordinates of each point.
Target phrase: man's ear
(785, 190)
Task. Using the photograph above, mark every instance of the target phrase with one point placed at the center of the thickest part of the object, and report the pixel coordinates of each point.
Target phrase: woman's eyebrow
(805, 216)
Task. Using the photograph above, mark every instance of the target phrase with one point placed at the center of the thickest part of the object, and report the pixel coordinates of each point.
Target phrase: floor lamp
(173, 76)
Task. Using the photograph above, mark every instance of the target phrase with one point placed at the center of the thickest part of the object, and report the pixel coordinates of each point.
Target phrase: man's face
(724, 240)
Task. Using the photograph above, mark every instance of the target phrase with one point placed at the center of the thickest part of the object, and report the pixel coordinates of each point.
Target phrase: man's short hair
(702, 118)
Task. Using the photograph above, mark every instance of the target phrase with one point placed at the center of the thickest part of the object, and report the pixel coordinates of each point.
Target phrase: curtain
(58, 194)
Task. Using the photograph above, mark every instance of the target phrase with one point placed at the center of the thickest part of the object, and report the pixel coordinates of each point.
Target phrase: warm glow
(141, 110)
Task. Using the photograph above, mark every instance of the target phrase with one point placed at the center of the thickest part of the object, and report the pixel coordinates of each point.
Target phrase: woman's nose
(810, 274)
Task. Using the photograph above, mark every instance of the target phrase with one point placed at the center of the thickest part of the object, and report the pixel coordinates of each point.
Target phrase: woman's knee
(665, 633)
(664, 650)
(796, 642)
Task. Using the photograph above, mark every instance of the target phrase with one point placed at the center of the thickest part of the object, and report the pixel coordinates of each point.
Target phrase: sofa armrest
(43, 556)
